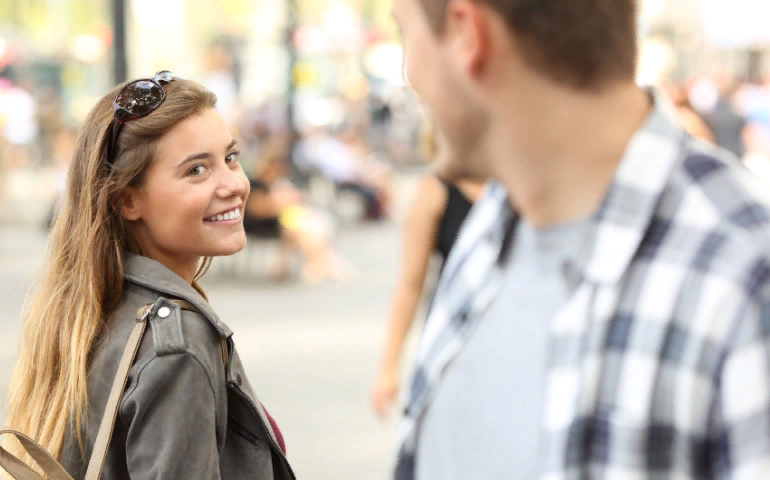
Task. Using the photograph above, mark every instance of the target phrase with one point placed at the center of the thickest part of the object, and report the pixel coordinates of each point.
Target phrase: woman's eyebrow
(194, 157)
(204, 155)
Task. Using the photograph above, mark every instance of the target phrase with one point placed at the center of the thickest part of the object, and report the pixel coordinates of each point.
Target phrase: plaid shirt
(659, 362)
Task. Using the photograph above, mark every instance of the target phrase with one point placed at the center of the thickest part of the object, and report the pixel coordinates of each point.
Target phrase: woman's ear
(130, 204)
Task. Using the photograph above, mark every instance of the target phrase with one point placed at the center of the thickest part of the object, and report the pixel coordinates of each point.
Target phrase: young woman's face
(192, 199)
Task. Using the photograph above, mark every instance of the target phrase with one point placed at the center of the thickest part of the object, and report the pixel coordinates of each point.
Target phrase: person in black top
(276, 209)
(457, 207)
(261, 219)
(437, 213)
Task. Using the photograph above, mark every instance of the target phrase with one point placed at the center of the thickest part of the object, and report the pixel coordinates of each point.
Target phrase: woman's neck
(186, 267)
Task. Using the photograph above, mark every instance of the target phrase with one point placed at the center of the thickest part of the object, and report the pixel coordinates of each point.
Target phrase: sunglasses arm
(115, 126)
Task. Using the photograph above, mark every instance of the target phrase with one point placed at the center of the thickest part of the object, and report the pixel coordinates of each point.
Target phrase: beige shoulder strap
(96, 463)
(53, 469)
(20, 471)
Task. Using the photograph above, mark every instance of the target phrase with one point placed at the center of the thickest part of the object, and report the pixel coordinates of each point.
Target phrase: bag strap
(99, 453)
(50, 466)
(20, 471)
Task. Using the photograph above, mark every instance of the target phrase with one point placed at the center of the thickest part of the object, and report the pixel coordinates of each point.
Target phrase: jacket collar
(155, 276)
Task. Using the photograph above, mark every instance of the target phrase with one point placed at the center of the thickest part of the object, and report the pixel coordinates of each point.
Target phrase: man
(605, 312)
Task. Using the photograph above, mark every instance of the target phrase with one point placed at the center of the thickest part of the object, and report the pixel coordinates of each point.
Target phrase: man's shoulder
(712, 190)
(713, 219)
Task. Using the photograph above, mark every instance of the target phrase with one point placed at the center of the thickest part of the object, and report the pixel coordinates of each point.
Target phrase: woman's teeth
(233, 214)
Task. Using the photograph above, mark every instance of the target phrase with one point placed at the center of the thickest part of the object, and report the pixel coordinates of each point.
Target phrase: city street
(310, 351)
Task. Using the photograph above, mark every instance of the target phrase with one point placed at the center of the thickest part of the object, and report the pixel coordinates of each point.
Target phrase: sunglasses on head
(136, 100)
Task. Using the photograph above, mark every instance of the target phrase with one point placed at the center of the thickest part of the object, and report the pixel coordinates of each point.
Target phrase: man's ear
(468, 28)
(130, 204)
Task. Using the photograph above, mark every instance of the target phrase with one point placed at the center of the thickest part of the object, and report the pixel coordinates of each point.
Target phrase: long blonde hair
(82, 280)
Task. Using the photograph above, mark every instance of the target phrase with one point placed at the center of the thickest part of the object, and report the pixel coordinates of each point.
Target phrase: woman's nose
(232, 183)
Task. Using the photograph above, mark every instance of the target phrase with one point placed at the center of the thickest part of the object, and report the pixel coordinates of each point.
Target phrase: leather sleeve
(172, 421)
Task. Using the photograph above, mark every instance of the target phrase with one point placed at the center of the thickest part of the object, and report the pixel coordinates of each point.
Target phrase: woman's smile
(227, 217)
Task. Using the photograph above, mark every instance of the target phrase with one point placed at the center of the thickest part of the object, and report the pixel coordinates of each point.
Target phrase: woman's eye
(197, 171)
(232, 158)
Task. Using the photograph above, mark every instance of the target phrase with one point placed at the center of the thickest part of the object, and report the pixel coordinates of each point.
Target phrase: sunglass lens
(140, 98)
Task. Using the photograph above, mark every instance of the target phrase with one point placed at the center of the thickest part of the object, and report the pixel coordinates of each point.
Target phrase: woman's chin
(228, 248)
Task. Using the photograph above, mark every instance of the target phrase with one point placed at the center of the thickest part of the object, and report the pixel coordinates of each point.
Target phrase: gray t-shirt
(484, 420)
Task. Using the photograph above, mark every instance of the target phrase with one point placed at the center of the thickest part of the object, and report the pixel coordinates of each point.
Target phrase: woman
(433, 223)
(155, 189)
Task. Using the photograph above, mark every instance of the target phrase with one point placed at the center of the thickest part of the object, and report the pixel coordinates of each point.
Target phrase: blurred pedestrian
(155, 190)
(433, 224)
(20, 129)
(220, 77)
(51, 121)
(689, 118)
(374, 177)
(603, 311)
(753, 100)
(347, 161)
(714, 103)
(277, 208)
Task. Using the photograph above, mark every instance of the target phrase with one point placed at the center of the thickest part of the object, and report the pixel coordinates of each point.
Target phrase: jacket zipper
(237, 428)
(272, 442)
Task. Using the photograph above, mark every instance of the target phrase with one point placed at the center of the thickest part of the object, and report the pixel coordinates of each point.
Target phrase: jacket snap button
(164, 312)
(238, 379)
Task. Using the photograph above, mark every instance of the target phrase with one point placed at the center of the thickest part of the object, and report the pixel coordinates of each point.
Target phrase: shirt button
(238, 379)
(164, 312)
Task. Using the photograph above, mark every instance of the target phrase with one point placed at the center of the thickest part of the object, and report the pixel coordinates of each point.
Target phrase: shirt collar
(622, 218)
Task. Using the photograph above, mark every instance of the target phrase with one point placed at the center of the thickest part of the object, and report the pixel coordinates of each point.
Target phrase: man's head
(462, 56)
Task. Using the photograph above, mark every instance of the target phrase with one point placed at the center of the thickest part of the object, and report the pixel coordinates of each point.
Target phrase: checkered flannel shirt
(659, 363)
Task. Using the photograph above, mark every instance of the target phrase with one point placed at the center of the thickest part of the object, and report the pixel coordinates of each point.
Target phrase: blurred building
(65, 44)
(687, 37)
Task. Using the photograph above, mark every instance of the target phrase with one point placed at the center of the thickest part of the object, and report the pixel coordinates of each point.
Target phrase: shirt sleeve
(172, 421)
(740, 440)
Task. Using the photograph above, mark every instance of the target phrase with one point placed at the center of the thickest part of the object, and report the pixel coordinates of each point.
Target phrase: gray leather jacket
(184, 414)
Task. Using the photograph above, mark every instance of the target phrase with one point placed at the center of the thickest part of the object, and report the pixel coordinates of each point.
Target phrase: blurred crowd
(35, 129)
(355, 143)
(730, 112)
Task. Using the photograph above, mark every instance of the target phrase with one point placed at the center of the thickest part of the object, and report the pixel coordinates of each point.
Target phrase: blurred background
(313, 90)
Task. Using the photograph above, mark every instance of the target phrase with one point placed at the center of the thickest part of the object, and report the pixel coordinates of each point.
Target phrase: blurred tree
(37, 15)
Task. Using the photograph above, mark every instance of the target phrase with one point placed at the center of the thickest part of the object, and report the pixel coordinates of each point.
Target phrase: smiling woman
(195, 176)
(155, 190)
